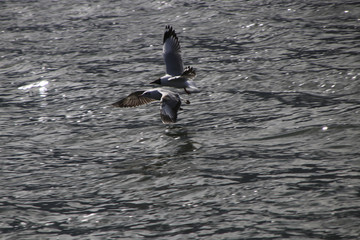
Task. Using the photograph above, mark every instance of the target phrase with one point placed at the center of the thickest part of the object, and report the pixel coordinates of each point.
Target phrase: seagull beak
(156, 81)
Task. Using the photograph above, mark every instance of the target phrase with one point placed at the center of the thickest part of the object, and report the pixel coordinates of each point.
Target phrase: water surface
(268, 150)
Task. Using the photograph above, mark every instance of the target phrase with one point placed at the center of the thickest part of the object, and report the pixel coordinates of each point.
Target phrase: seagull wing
(192, 88)
(169, 108)
(172, 53)
(133, 100)
(189, 72)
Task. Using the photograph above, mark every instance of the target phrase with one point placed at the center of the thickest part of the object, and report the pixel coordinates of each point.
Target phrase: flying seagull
(175, 76)
(170, 102)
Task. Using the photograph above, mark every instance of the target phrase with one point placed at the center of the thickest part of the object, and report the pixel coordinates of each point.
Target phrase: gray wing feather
(133, 100)
(169, 108)
(172, 53)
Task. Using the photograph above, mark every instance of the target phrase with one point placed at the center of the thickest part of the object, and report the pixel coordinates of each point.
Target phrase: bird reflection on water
(181, 134)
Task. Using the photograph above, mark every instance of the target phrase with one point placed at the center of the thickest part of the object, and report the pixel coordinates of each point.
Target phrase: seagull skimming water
(175, 76)
(170, 102)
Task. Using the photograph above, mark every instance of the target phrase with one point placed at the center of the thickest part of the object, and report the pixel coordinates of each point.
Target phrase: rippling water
(268, 150)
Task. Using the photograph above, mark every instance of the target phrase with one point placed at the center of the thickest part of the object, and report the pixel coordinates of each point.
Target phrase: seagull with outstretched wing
(176, 76)
(170, 102)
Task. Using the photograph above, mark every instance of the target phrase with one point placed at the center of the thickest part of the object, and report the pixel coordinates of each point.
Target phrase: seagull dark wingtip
(169, 31)
(189, 72)
(118, 104)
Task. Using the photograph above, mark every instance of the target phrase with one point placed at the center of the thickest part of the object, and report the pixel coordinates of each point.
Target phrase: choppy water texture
(268, 150)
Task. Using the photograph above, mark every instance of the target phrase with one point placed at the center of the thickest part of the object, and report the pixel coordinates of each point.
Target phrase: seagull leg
(187, 101)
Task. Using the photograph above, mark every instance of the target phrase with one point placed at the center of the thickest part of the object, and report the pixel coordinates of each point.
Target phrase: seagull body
(175, 76)
(170, 102)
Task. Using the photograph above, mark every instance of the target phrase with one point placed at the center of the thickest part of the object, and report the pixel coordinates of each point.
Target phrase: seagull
(170, 102)
(175, 76)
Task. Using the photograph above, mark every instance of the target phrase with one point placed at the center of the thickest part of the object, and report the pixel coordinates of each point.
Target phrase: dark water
(268, 150)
